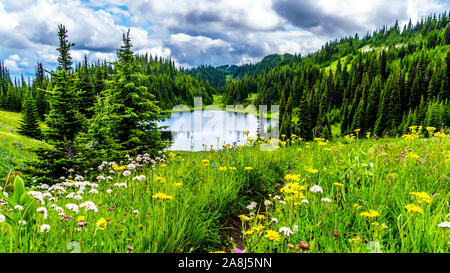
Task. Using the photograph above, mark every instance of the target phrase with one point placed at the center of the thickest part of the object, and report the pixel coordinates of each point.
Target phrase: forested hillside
(381, 83)
(169, 85)
(219, 76)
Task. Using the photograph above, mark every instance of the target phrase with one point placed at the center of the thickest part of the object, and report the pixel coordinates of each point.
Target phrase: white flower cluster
(252, 205)
(43, 211)
(89, 205)
(316, 188)
(286, 231)
(72, 207)
(57, 188)
(44, 228)
(37, 195)
(139, 178)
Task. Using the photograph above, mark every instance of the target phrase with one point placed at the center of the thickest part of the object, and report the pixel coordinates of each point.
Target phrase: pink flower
(82, 224)
(130, 248)
(237, 250)
(303, 245)
(335, 234)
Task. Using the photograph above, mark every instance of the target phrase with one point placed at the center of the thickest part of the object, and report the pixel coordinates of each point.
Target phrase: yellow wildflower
(272, 235)
(101, 223)
(162, 196)
(292, 177)
(205, 162)
(414, 208)
(248, 168)
(370, 214)
(160, 179)
(311, 170)
(338, 184)
(245, 218)
(422, 196)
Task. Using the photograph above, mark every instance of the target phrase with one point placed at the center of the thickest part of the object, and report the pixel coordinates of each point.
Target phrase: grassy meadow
(352, 194)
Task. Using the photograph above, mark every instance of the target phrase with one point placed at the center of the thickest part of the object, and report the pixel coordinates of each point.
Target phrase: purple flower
(237, 250)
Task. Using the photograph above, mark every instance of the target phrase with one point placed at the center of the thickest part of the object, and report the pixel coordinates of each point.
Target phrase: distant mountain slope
(220, 75)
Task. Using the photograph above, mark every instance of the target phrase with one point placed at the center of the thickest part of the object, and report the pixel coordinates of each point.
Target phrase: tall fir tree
(29, 124)
(305, 120)
(126, 115)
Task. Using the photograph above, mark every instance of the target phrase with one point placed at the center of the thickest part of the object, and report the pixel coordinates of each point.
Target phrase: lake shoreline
(233, 110)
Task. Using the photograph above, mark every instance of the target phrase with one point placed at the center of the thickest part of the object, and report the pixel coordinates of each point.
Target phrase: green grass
(184, 199)
(14, 148)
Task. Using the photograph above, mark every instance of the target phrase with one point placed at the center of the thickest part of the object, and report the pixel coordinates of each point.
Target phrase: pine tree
(304, 123)
(29, 125)
(126, 115)
(447, 34)
(86, 91)
(64, 58)
(64, 119)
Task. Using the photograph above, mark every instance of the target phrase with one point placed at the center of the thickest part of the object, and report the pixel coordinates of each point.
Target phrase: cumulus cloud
(191, 32)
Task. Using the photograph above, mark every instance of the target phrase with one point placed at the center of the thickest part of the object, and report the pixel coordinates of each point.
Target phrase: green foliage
(126, 115)
(29, 125)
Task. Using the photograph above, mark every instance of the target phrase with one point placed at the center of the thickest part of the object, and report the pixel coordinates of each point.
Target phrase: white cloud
(190, 32)
(11, 65)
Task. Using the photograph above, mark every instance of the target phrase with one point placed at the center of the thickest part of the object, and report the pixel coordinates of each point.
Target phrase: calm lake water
(192, 130)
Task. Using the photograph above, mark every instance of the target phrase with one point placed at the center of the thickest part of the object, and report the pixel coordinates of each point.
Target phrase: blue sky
(191, 32)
